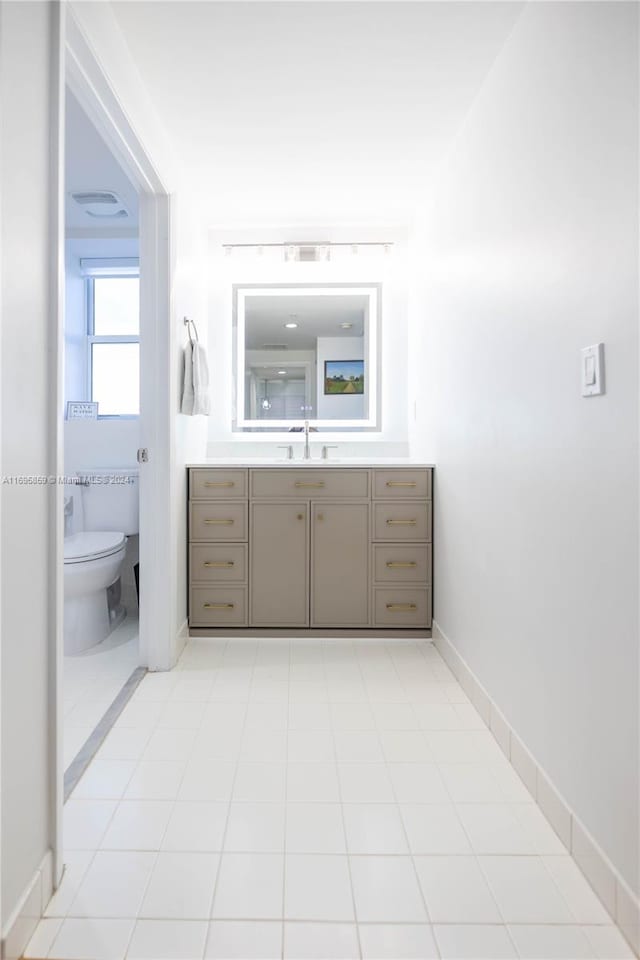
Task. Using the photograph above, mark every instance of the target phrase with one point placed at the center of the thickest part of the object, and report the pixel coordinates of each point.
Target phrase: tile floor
(93, 680)
(312, 798)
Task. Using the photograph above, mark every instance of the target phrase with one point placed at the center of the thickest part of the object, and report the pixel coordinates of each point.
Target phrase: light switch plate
(592, 371)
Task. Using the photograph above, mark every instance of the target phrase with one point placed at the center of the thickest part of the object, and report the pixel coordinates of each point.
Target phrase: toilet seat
(92, 545)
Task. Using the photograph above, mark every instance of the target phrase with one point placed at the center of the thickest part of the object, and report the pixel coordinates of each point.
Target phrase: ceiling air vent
(101, 204)
(274, 346)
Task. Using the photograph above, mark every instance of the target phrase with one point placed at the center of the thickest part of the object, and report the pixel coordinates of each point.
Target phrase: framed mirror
(306, 352)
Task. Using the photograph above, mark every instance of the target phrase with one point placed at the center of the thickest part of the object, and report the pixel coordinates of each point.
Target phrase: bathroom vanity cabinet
(310, 548)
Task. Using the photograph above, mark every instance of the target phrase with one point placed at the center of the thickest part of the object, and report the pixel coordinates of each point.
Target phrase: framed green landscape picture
(343, 376)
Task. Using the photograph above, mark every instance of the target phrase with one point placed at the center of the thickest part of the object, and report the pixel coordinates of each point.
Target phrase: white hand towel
(201, 400)
(187, 386)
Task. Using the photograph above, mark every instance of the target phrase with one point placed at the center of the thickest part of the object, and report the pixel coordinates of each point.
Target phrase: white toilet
(107, 501)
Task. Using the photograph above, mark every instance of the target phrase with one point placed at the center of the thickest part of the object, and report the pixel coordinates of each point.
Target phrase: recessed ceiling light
(291, 325)
(281, 373)
(346, 326)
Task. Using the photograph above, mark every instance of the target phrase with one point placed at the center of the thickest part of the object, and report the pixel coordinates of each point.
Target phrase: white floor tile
(114, 885)
(86, 822)
(313, 782)
(522, 890)
(493, 828)
(578, 895)
(207, 781)
(309, 716)
(352, 716)
(105, 780)
(358, 746)
(547, 942)
(260, 782)
(264, 745)
(456, 891)
(365, 783)
(374, 828)
(76, 864)
(434, 828)
(403, 746)
(196, 826)
(543, 838)
(608, 943)
(315, 828)
(249, 887)
(386, 889)
(267, 716)
(321, 941)
(310, 746)
(453, 746)
(395, 716)
(168, 940)
(317, 887)
(437, 716)
(397, 942)
(244, 940)
(255, 827)
(181, 887)
(170, 744)
(417, 783)
(186, 715)
(138, 825)
(42, 940)
(95, 939)
(155, 780)
(470, 783)
(124, 743)
(474, 942)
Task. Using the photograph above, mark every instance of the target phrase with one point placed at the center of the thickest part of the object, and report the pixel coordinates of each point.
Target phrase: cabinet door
(340, 565)
(279, 559)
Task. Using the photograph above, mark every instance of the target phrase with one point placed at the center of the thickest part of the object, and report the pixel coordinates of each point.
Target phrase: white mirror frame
(372, 339)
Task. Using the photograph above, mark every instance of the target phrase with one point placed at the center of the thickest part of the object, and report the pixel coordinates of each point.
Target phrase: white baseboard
(23, 921)
(618, 899)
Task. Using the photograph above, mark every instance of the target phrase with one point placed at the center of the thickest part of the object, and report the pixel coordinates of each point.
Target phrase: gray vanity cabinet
(340, 564)
(300, 548)
(279, 539)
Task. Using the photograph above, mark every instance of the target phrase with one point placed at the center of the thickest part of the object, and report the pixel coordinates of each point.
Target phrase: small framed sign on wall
(82, 410)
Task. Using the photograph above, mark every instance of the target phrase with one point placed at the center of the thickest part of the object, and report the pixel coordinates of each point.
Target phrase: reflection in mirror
(306, 353)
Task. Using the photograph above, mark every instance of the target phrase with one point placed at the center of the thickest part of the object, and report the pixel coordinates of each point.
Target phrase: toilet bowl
(107, 502)
(92, 562)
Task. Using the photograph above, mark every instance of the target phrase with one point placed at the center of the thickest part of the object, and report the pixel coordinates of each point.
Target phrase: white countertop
(270, 462)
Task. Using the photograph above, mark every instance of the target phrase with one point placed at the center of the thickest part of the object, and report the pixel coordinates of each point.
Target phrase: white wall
(26, 44)
(223, 272)
(340, 406)
(528, 252)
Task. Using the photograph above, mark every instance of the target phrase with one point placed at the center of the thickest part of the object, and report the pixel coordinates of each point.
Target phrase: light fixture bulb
(291, 325)
(282, 373)
(346, 326)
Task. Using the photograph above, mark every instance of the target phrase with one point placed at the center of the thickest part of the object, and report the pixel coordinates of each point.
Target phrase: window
(113, 334)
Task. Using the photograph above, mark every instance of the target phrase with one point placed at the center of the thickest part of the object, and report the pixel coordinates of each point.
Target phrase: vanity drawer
(218, 607)
(307, 484)
(217, 484)
(217, 520)
(402, 484)
(402, 521)
(220, 563)
(402, 607)
(402, 563)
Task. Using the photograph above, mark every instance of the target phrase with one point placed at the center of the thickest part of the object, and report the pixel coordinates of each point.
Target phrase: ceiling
(293, 112)
(316, 316)
(91, 166)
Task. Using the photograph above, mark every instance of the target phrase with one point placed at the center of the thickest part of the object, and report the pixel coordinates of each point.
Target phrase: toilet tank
(110, 499)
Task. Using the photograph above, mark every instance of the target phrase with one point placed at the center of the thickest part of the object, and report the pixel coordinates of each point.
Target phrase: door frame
(85, 77)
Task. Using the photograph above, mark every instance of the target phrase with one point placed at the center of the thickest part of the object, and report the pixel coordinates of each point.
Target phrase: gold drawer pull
(401, 483)
(218, 606)
(218, 563)
(402, 523)
(223, 522)
(219, 483)
(309, 483)
(402, 606)
(401, 563)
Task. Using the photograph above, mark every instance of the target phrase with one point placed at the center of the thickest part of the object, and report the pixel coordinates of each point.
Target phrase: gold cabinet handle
(218, 563)
(218, 606)
(401, 523)
(401, 563)
(309, 483)
(396, 607)
(402, 483)
(219, 483)
(223, 522)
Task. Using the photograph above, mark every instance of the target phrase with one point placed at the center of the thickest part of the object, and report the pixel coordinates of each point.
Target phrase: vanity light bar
(307, 252)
